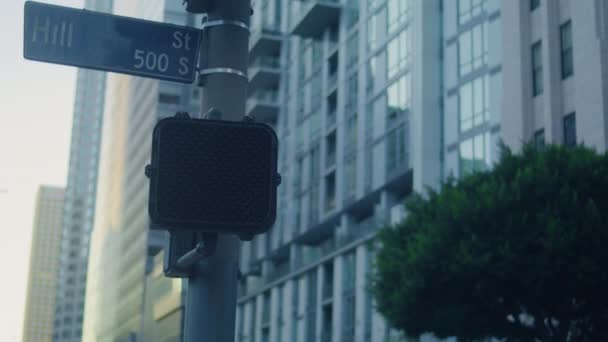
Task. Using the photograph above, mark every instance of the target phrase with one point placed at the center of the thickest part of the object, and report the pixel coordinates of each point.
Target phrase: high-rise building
(372, 100)
(163, 305)
(79, 207)
(123, 247)
(375, 99)
(555, 83)
(44, 265)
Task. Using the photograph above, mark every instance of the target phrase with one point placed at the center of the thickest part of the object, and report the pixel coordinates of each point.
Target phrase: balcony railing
(312, 17)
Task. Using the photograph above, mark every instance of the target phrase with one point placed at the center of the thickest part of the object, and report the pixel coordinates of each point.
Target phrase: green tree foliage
(519, 252)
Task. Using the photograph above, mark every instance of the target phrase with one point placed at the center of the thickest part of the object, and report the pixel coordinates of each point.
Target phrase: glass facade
(80, 200)
(344, 127)
(43, 273)
(123, 246)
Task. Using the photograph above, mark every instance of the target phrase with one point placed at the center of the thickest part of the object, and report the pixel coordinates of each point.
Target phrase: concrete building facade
(123, 246)
(375, 99)
(372, 100)
(43, 276)
(79, 207)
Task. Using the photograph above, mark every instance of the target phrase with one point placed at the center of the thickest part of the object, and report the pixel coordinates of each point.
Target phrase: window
(397, 13)
(315, 175)
(352, 89)
(315, 126)
(295, 318)
(298, 215)
(474, 98)
(372, 4)
(372, 74)
(170, 99)
(326, 334)
(351, 132)
(352, 14)
(330, 192)
(328, 280)
(352, 48)
(330, 155)
(570, 129)
(280, 322)
(398, 53)
(472, 49)
(537, 69)
(398, 97)
(475, 154)
(348, 312)
(311, 306)
(315, 91)
(534, 4)
(566, 49)
(372, 32)
(395, 150)
(350, 174)
(317, 53)
(539, 139)
(266, 308)
(469, 9)
(253, 319)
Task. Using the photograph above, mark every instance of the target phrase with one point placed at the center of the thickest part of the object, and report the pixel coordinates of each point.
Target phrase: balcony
(263, 105)
(358, 231)
(312, 17)
(265, 42)
(279, 271)
(264, 73)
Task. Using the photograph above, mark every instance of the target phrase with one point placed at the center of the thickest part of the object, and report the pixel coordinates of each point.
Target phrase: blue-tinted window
(566, 49)
(469, 9)
(534, 4)
(570, 129)
(539, 138)
(474, 100)
(537, 69)
(472, 49)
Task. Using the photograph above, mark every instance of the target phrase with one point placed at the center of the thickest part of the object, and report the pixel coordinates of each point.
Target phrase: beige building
(44, 265)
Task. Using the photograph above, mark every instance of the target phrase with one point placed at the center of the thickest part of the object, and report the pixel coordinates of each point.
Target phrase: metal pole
(212, 284)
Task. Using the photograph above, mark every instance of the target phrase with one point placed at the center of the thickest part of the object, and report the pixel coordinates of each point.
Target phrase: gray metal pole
(212, 285)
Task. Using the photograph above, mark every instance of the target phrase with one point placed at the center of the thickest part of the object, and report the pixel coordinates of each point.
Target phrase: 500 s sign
(107, 42)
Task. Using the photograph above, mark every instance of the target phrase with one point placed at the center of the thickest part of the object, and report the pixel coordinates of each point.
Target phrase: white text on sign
(155, 62)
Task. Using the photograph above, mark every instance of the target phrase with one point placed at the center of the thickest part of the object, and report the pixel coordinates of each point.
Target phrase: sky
(36, 103)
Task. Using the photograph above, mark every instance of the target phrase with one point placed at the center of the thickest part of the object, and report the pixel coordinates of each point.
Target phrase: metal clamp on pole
(223, 22)
(204, 70)
(231, 71)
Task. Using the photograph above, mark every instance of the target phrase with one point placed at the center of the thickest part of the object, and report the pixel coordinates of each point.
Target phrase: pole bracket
(204, 249)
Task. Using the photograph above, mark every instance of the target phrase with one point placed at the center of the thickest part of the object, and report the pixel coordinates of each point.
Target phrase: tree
(519, 252)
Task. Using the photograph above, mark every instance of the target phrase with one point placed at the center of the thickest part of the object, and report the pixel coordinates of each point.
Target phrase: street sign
(100, 41)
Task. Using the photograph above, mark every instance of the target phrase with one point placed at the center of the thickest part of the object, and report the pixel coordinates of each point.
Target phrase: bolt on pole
(212, 284)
